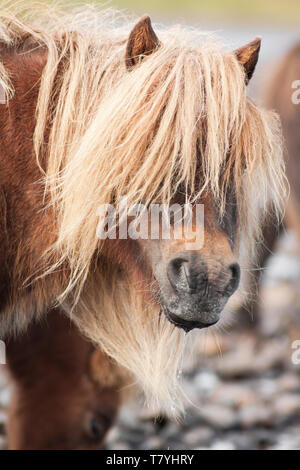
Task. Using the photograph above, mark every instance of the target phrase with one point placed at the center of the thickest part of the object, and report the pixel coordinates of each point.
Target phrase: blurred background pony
(91, 113)
(280, 93)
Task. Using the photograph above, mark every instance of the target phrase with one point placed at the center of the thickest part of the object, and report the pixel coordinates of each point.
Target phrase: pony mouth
(186, 325)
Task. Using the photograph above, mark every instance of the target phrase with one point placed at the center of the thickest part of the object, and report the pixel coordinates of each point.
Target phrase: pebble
(218, 416)
(198, 435)
(119, 446)
(222, 445)
(4, 397)
(153, 443)
(2, 443)
(2, 422)
(289, 383)
(205, 381)
(287, 404)
(234, 395)
(255, 415)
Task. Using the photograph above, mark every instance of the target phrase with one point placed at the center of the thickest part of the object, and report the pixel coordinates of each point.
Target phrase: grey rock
(222, 445)
(255, 415)
(234, 395)
(218, 416)
(286, 405)
(198, 436)
(3, 443)
(3, 419)
(153, 443)
(289, 382)
(4, 397)
(206, 381)
(119, 446)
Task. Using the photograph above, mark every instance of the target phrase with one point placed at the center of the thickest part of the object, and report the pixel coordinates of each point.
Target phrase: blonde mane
(139, 134)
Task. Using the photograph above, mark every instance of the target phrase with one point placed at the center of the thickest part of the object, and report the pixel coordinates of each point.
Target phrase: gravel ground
(243, 389)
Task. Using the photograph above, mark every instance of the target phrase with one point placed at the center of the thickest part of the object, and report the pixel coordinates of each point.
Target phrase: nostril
(178, 273)
(236, 271)
(235, 278)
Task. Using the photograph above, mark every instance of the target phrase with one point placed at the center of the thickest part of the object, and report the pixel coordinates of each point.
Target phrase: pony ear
(142, 41)
(248, 56)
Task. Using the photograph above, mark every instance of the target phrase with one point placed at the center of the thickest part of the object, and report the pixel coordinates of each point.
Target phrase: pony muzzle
(196, 290)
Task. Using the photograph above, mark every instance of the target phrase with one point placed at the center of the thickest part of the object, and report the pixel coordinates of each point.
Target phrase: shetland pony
(277, 94)
(92, 113)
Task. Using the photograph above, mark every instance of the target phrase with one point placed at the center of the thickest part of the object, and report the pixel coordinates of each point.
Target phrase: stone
(222, 445)
(255, 415)
(288, 382)
(4, 397)
(287, 405)
(119, 446)
(234, 395)
(206, 381)
(3, 443)
(218, 416)
(153, 443)
(3, 419)
(198, 436)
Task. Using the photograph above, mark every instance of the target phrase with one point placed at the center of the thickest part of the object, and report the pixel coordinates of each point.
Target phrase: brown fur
(55, 401)
(65, 395)
(29, 228)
